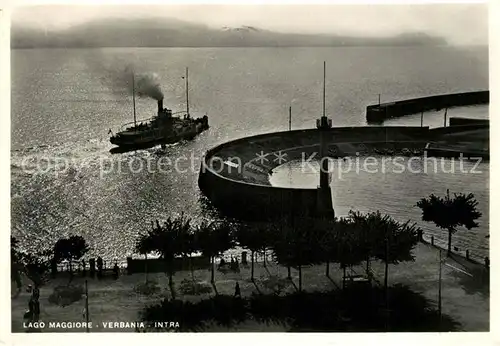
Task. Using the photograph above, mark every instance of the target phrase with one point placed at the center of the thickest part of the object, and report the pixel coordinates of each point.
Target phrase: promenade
(465, 291)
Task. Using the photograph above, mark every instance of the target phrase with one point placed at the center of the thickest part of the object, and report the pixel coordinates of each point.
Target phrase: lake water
(65, 181)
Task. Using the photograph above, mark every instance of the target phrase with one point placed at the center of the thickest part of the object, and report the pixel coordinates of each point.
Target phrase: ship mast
(133, 98)
(187, 92)
(324, 87)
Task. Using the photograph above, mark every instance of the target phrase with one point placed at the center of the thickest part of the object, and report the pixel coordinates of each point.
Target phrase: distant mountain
(243, 28)
(154, 32)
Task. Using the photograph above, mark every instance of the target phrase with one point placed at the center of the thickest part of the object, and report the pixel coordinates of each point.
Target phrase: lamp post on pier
(324, 124)
(87, 317)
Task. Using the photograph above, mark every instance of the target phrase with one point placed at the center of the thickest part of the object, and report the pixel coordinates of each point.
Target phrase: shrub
(194, 288)
(66, 295)
(147, 288)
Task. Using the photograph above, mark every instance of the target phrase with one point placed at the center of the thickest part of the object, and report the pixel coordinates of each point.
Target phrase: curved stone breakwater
(235, 175)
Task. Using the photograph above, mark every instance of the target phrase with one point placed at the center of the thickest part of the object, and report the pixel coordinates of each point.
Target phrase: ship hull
(134, 143)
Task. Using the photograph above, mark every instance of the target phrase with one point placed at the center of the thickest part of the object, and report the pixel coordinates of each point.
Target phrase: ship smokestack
(160, 106)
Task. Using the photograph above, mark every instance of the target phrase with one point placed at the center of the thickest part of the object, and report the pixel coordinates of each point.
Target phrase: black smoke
(125, 79)
(144, 84)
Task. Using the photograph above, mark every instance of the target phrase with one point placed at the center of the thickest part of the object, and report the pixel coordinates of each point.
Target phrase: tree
(36, 266)
(186, 240)
(253, 237)
(346, 245)
(281, 235)
(169, 240)
(298, 245)
(15, 262)
(367, 228)
(450, 213)
(205, 241)
(214, 238)
(392, 242)
(144, 245)
(14, 249)
(163, 239)
(326, 230)
(265, 233)
(70, 249)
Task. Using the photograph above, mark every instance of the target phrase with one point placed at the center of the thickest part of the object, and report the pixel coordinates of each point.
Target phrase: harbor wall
(454, 121)
(438, 132)
(380, 112)
(252, 201)
(237, 197)
(158, 265)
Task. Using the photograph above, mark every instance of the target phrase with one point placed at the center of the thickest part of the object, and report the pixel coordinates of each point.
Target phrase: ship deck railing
(132, 123)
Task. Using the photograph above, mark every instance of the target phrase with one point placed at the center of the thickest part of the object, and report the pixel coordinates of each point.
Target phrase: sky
(458, 23)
